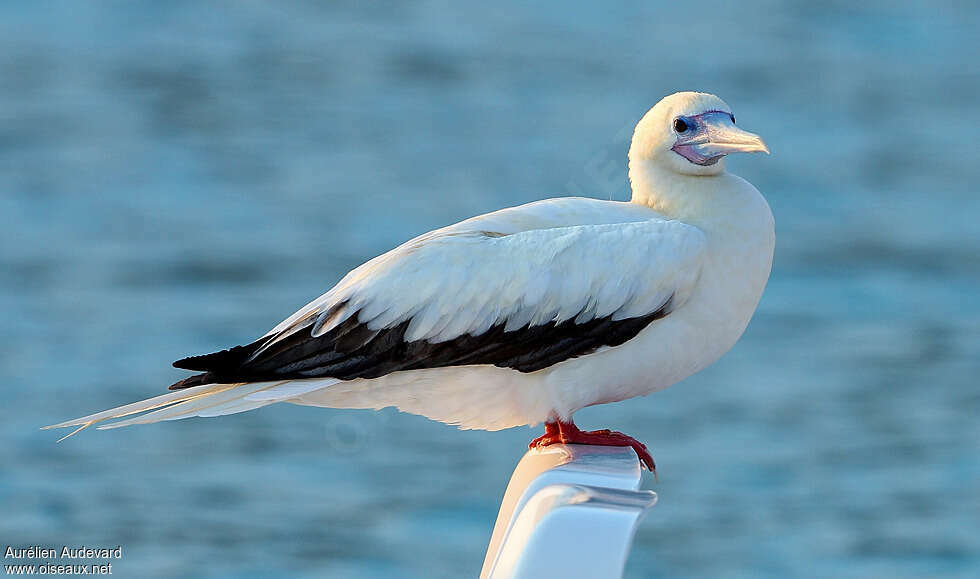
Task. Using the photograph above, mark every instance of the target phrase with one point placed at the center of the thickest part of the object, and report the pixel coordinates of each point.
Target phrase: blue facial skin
(698, 132)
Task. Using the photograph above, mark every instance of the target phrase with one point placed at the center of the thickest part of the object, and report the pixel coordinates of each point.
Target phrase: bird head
(690, 133)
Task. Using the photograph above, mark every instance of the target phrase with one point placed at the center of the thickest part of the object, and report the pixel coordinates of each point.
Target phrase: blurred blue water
(177, 178)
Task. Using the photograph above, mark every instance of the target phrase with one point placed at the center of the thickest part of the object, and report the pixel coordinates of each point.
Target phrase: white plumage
(691, 253)
(465, 278)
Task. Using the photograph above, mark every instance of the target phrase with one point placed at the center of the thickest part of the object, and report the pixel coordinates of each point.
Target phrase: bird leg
(565, 432)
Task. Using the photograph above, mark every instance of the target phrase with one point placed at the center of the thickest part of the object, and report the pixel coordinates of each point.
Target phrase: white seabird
(527, 314)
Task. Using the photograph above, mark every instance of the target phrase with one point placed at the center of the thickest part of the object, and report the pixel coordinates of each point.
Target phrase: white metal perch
(569, 511)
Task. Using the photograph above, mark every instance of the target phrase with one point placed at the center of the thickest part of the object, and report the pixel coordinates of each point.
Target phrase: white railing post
(569, 511)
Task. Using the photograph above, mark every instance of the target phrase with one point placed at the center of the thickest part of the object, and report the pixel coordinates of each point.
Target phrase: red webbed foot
(560, 432)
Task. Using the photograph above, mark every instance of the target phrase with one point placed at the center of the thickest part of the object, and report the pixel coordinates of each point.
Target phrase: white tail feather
(291, 389)
(194, 406)
(233, 407)
(207, 400)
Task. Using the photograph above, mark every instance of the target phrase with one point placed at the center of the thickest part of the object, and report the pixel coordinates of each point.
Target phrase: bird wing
(464, 295)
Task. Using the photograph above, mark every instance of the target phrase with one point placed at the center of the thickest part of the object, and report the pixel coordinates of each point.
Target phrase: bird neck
(689, 198)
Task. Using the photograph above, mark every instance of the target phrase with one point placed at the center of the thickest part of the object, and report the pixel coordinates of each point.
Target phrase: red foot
(559, 432)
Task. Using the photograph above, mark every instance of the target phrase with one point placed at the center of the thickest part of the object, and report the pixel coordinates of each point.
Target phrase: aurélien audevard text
(62, 560)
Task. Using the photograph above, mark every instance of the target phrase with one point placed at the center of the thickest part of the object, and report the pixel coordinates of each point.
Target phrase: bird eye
(680, 125)
(733, 117)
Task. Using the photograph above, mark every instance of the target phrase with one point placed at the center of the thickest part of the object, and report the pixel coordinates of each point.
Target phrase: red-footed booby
(527, 314)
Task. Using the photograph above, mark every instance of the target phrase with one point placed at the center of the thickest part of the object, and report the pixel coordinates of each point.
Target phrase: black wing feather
(352, 350)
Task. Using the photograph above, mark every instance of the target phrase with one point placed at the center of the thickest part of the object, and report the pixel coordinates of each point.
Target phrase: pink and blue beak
(703, 139)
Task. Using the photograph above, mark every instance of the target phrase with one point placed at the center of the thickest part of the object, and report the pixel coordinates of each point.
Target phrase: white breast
(741, 240)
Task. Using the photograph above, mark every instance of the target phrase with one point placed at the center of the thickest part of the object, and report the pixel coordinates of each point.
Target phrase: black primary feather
(352, 350)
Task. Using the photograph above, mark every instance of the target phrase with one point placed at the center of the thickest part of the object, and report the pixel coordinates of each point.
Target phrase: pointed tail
(204, 400)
